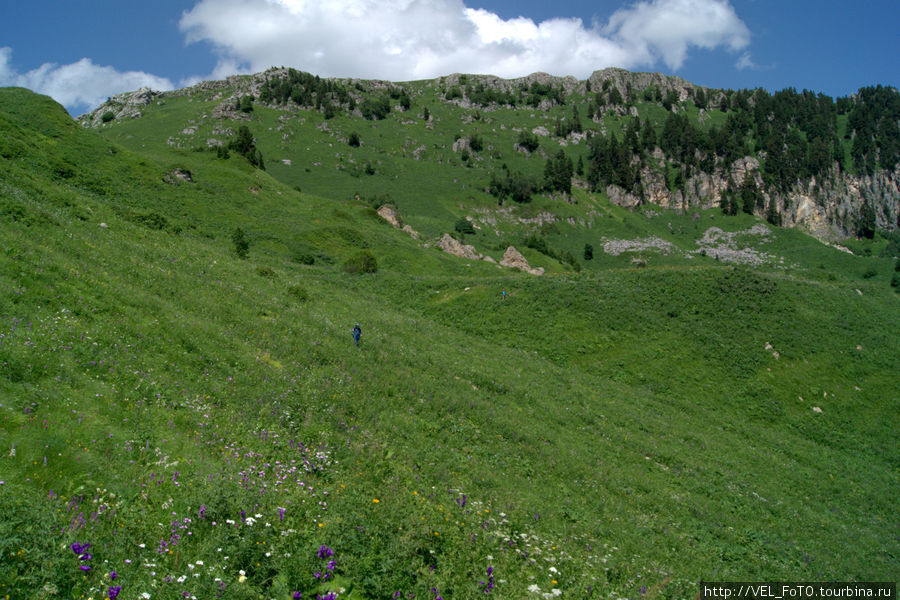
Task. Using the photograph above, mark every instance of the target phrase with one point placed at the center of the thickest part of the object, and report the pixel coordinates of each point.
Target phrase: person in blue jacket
(357, 332)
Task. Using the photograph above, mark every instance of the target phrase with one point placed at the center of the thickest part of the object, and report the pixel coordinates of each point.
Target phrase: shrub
(108, 116)
(869, 273)
(354, 140)
(588, 252)
(895, 282)
(264, 271)
(241, 243)
(152, 221)
(529, 141)
(375, 108)
(361, 262)
(464, 226)
(476, 143)
(298, 293)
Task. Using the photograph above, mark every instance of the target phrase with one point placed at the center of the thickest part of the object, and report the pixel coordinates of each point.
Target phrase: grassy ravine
(205, 423)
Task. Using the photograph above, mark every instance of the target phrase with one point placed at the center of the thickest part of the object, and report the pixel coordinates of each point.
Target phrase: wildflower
(242, 577)
(325, 552)
(114, 591)
(113, 575)
(375, 500)
(84, 568)
(297, 596)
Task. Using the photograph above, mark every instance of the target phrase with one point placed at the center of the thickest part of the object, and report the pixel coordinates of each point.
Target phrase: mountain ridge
(805, 188)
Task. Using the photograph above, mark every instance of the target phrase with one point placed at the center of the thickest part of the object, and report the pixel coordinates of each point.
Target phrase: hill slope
(206, 424)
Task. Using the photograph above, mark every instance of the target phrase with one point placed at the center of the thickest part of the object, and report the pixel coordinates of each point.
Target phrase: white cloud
(745, 62)
(415, 39)
(78, 85)
(667, 28)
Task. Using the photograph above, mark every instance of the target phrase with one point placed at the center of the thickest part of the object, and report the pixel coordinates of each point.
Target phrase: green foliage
(512, 184)
(528, 140)
(865, 221)
(244, 144)
(375, 107)
(108, 116)
(751, 197)
(558, 172)
(304, 89)
(151, 220)
(464, 226)
(476, 143)
(354, 140)
(245, 104)
(588, 252)
(298, 293)
(240, 243)
(360, 263)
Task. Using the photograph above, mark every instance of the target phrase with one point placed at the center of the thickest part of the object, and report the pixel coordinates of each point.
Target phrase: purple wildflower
(113, 575)
(331, 565)
(325, 551)
(84, 567)
(114, 591)
(297, 595)
(79, 548)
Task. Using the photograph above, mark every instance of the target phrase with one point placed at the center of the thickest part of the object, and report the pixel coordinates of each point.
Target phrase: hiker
(357, 332)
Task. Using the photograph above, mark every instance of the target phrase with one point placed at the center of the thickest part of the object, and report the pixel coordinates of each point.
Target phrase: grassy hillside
(205, 423)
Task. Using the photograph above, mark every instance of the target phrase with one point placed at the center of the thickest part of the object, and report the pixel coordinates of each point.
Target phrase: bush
(152, 220)
(354, 140)
(529, 141)
(298, 293)
(588, 252)
(464, 226)
(108, 116)
(869, 273)
(361, 262)
(375, 109)
(241, 243)
(895, 282)
(264, 271)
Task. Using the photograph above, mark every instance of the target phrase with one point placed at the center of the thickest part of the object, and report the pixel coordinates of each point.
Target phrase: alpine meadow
(618, 336)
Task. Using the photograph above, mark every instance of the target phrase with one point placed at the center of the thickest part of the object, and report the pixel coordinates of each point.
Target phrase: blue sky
(80, 53)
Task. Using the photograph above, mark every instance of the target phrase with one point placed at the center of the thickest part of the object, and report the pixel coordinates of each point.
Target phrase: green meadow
(623, 428)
